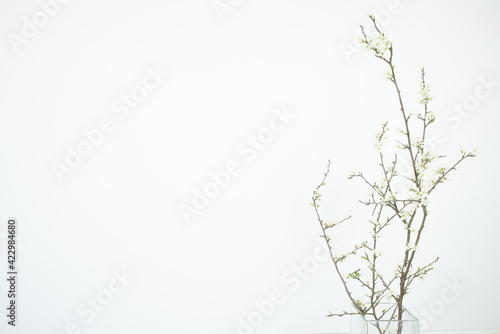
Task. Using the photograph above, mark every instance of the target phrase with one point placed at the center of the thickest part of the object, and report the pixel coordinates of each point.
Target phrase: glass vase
(386, 324)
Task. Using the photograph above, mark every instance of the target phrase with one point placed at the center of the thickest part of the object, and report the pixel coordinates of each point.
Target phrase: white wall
(119, 207)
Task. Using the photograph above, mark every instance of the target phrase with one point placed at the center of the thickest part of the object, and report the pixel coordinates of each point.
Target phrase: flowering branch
(409, 206)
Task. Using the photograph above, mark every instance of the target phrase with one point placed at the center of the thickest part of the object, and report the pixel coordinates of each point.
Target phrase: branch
(315, 198)
(444, 172)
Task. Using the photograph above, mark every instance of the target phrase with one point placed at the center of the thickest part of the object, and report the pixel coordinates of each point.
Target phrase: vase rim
(405, 310)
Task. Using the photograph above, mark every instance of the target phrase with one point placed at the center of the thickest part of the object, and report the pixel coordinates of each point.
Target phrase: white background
(119, 208)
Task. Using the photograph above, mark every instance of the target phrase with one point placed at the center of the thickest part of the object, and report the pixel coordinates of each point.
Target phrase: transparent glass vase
(387, 324)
